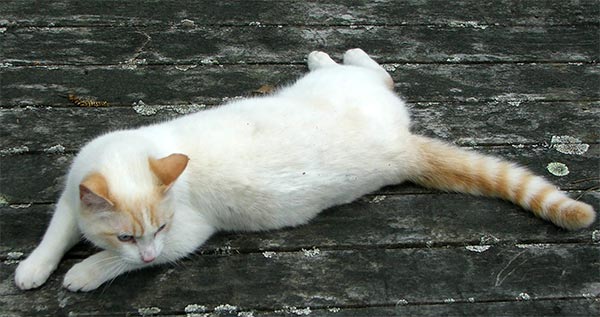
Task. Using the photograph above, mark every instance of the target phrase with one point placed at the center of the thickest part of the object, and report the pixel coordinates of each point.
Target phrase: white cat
(155, 194)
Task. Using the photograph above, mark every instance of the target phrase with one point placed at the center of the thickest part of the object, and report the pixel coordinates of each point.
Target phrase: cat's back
(337, 98)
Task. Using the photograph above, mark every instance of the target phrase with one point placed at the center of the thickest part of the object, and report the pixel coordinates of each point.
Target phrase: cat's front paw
(33, 272)
(83, 277)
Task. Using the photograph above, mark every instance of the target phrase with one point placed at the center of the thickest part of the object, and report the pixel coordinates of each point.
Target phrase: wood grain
(26, 13)
(291, 44)
(336, 278)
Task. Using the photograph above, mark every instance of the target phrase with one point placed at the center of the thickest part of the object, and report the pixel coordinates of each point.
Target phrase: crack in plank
(499, 280)
(140, 49)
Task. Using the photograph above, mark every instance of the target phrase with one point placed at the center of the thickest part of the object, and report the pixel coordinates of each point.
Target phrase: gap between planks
(263, 309)
(83, 251)
(40, 64)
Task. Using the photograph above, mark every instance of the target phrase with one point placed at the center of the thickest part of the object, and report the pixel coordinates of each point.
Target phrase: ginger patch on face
(129, 202)
(142, 213)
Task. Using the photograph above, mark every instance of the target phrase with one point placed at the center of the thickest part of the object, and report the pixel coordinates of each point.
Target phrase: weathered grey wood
(393, 221)
(354, 278)
(290, 44)
(506, 121)
(33, 178)
(123, 85)
(210, 84)
(22, 227)
(508, 73)
(542, 308)
(460, 13)
(40, 178)
(461, 122)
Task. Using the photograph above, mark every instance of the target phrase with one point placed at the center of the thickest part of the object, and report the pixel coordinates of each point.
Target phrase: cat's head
(132, 223)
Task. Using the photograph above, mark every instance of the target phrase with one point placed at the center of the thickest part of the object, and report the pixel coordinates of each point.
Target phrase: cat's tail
(450, 168)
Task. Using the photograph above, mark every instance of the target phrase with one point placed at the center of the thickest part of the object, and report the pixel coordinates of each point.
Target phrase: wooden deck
(519, 79)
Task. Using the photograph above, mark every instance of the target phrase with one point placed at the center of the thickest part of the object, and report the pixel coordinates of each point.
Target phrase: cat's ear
(93, 192)
(168, 169)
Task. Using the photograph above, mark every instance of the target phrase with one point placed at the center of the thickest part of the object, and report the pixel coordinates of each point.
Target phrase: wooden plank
(39, 178)
(33, 178)
(336, 278)
(290, 44)
(499, 122)
(542, 308)
(506, 121)
(348, 12)
(22, 227)
(210, 84)
(123, 85)
(391, 221)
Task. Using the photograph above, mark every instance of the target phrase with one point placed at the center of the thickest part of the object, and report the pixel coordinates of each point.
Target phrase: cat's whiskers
(116, 271)
(108, 261)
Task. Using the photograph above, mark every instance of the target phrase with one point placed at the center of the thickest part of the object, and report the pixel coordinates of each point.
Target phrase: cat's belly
(278, 165)
(280, 192)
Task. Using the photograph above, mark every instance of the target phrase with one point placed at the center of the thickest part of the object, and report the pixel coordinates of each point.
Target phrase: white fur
(255, 164)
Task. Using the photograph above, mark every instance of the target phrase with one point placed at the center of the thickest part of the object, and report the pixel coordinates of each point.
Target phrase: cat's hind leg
(358, 57)
(317, 59)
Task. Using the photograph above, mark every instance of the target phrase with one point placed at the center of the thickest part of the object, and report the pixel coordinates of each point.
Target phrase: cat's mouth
(140, 259)
(135, 260)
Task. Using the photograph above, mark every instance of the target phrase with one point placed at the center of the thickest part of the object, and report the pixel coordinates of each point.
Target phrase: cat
(154, 194)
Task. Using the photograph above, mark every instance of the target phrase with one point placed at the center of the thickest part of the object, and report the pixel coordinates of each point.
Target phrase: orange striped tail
(450, 168)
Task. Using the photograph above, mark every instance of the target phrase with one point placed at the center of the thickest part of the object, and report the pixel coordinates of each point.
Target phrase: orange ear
(93, 191)
(168, 169)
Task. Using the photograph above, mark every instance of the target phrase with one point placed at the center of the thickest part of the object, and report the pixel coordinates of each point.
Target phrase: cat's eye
(161, 228)
(125, 237)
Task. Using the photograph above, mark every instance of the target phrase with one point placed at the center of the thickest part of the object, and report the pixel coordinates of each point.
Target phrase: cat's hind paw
(358, 57)
(317, 59)
(33, 272)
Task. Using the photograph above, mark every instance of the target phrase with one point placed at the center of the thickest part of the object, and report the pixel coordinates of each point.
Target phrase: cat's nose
(148, 258)
(149, 254)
